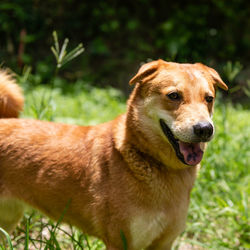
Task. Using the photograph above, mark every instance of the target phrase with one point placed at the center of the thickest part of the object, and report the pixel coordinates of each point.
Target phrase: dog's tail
(11, 96)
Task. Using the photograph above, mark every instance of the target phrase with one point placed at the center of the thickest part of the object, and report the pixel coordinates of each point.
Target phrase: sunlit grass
(77, 104)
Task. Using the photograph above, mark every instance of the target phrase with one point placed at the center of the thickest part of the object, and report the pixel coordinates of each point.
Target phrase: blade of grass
(124, 240)
(56, 41)
(8, 238)
(26, 247)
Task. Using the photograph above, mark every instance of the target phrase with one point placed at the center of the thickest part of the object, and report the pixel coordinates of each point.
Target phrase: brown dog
(130, 176)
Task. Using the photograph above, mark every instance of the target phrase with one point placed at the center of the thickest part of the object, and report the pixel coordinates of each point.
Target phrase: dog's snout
(204, 130)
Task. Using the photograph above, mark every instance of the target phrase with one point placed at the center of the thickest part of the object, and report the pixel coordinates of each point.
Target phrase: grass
(218, 214)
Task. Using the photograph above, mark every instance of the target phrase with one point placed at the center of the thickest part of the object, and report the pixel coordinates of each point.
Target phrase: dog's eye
(209, 98)
(174, 96)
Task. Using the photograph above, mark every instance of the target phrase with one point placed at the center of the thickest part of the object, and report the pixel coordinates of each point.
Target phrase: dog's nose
(203, 130)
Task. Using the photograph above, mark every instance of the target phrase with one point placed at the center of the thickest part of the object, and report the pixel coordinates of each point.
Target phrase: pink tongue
(192, 152)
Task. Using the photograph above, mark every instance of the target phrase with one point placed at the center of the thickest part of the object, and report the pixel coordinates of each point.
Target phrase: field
(218, 214)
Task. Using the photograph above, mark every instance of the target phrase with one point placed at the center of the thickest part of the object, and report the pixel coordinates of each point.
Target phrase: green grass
(73, 103)
(218, 214)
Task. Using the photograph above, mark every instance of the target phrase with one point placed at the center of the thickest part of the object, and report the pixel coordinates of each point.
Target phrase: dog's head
(172, 104)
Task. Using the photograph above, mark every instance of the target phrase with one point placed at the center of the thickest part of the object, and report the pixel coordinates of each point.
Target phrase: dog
(129, 178)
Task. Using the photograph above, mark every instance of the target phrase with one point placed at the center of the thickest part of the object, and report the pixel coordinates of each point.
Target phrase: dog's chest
(149, 224)
(145, 227)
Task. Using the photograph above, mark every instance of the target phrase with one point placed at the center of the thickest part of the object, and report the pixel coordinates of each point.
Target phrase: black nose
(203, 130)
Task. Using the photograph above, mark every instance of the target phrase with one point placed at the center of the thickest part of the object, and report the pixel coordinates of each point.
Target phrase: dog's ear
(146, 72)
(216, 77)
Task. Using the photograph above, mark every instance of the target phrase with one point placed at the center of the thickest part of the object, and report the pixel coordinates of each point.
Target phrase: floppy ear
(146, 72)
(217, 79)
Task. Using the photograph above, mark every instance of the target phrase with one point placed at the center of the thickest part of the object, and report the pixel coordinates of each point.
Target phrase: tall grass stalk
(61, 54)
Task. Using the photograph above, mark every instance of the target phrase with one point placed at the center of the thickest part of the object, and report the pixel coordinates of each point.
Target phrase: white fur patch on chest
(146, 227)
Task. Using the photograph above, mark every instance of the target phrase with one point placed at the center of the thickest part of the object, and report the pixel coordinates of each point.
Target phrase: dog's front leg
(11, 211)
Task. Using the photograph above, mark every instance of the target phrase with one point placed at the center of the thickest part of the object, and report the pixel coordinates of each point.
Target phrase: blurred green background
(119, 35)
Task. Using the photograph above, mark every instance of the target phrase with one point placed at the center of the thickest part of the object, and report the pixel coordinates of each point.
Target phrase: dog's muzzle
(188, 153)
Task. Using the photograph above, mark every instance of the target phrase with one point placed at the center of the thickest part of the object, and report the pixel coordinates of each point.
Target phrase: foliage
(232, 70)
(118, 36)
(76, 103)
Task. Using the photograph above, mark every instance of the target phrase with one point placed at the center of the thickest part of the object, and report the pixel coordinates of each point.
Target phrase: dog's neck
(144, 165)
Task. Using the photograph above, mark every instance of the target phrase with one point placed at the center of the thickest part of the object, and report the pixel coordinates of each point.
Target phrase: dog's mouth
(189, 153)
